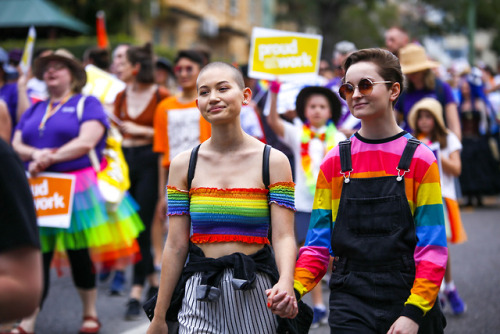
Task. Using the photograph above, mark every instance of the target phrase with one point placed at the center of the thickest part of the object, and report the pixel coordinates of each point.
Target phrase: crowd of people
(359, 183)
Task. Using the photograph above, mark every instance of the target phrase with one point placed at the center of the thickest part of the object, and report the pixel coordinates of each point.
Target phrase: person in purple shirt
(51, 136)
(9, 90)
(422, 82)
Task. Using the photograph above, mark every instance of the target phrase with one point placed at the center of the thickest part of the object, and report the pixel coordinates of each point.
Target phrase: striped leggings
(236, 311)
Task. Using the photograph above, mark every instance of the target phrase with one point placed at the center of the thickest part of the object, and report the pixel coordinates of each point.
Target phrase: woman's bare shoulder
(177, 175)
(279, 167)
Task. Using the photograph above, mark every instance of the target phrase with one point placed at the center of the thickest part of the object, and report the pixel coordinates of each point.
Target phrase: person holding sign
(229, 202)
(135, 108)
(310, 137)
(52, 136)
(378, 211)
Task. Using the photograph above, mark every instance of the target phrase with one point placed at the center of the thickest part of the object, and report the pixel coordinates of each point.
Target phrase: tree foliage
(117, 12)
(360, 21)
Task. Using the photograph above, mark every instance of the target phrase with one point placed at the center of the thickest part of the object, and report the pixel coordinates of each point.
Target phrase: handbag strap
(94, 160)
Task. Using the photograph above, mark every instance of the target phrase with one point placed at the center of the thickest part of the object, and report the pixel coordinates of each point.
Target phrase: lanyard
(50, 111)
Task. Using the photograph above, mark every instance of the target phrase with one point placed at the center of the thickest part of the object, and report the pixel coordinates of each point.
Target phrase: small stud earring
(245, 102)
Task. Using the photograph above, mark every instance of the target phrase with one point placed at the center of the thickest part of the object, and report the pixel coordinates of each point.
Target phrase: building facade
(223, 27)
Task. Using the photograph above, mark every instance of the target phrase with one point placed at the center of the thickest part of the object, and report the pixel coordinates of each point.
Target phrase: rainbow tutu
(109, 236)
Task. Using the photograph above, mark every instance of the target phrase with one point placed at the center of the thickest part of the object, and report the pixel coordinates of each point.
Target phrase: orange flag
(102, 36)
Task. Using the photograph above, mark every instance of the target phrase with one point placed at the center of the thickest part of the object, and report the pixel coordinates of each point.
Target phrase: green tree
(361, 21)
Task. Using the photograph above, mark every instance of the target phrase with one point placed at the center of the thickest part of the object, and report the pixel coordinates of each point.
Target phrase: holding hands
(282, 301)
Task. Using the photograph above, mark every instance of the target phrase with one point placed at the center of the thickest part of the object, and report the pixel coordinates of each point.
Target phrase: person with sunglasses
(178, 125)
(378, 212)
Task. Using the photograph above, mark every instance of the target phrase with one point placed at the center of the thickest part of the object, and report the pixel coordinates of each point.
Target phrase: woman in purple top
(422, 82)
(51, 136)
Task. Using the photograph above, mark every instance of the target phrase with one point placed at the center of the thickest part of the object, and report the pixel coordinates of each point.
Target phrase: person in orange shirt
(178, 125)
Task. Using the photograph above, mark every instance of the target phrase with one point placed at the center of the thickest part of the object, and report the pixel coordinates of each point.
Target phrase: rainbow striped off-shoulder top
(235, 214)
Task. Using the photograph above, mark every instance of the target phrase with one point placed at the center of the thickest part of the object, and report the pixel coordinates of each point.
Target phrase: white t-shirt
(447, 180)
(303, 197)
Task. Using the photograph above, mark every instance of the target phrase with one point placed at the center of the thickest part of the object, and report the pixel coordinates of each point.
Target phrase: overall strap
(405, 162)
(192, 165)
(345, 155)
(265, 166)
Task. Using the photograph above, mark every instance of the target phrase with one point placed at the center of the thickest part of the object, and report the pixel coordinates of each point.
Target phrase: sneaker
(457, 304)
(118, 284)
(320, 317)
(133, 310)
(104, 275)
(152, 291)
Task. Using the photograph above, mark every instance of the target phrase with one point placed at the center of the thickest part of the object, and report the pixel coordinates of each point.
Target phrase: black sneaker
(133, 309)
(152, 291)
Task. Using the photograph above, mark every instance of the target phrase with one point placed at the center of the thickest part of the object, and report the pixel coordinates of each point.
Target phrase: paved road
(476, 268)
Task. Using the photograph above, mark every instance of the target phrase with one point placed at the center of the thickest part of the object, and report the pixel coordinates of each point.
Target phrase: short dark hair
(192, 55)
(237, 75)
(388, 65)
(99, 57)
(142, 55)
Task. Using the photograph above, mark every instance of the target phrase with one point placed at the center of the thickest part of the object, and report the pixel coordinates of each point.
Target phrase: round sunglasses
(365, 87)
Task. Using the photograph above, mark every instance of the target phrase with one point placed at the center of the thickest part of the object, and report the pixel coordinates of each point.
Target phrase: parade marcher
(229, 209)
(426, 119)
(55, 136)
(5, 122)
(347, 124)
(395, 39)
(20, 260)
(480, 169)
(164, 73)
(11, 93)
(135, 108)
(118, 57)
(422, 82)
(378, 211)
(178, 125)
(310, 137)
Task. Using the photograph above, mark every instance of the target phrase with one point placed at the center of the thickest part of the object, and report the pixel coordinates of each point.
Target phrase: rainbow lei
(327, 137)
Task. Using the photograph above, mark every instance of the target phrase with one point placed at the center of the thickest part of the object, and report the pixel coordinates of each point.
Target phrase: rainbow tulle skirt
(109, 236)
(455, 231)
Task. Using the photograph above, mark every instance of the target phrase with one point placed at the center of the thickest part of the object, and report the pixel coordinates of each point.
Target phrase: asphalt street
(476, 271)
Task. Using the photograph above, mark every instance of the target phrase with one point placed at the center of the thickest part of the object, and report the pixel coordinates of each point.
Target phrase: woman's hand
(281, 300)
(157, 326)
(133, 129)
(41, 160)
(404, 325)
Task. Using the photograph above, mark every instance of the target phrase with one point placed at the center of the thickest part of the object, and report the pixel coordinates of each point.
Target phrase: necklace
(50, 111)
(328, 139)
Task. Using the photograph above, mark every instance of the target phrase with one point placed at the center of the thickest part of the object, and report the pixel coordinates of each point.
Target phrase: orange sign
(53, 196)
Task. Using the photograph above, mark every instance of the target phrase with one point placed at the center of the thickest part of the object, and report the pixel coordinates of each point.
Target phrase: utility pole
(471, 22)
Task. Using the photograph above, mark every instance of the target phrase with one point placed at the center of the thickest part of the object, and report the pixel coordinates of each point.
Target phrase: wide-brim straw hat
(300, 102)
(414, 59)
(433, 106)
(64, 56)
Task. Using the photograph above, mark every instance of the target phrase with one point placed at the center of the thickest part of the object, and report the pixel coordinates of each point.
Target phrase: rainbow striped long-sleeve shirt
(375, 159)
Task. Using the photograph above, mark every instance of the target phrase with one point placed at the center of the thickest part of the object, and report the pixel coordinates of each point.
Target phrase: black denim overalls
(374, 241)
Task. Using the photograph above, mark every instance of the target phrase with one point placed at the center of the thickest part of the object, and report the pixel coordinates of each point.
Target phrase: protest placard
(102, 84)
(283, 55)
(53, 195)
